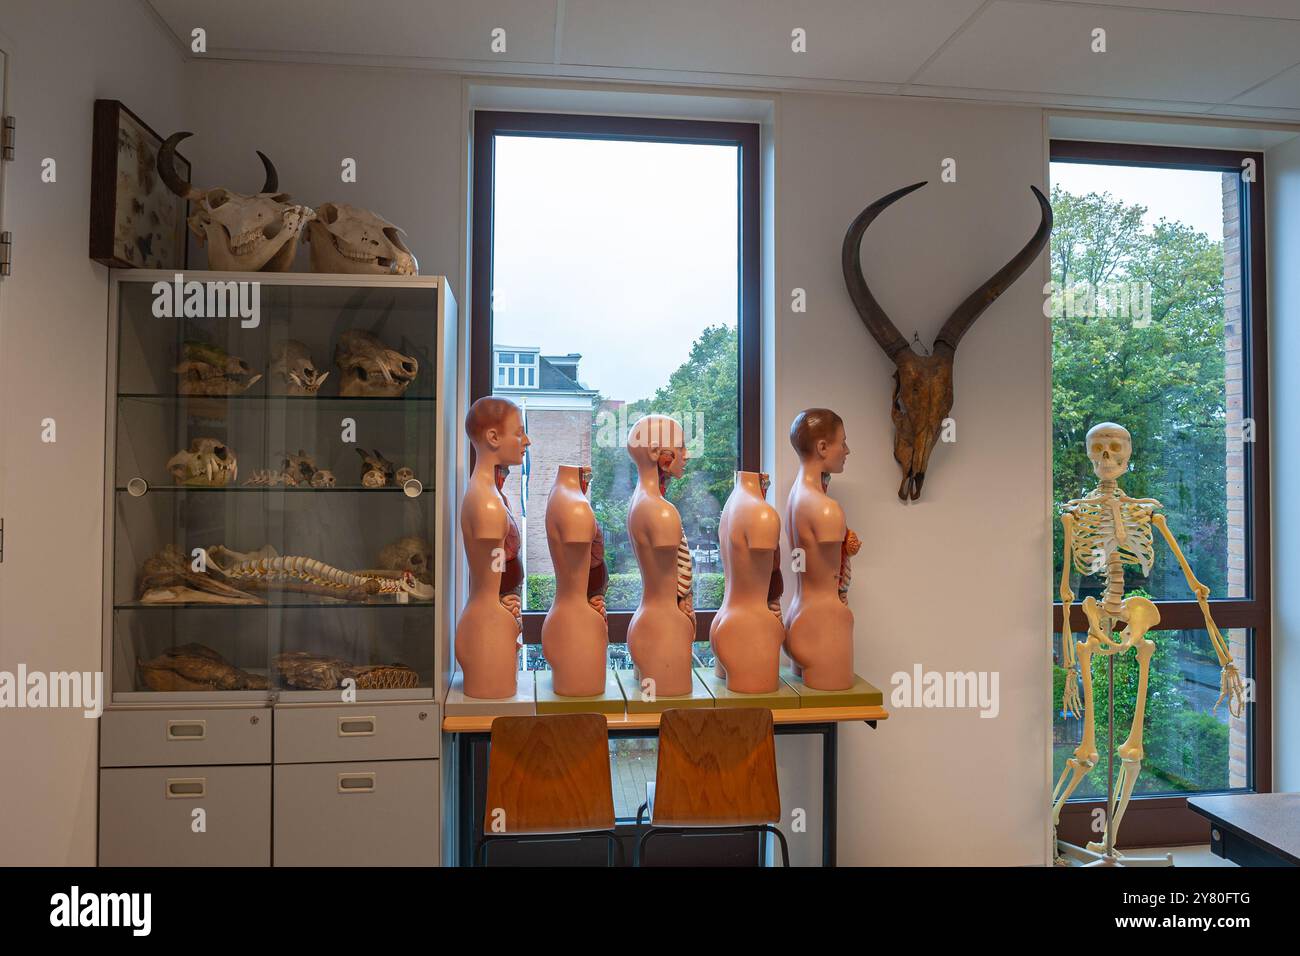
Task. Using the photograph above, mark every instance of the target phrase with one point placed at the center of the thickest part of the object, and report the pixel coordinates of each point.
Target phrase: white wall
(960, 579)
(53, 341)
(1282, 174)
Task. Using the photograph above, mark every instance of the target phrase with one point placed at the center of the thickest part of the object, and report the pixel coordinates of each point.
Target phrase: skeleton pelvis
(1137, 612)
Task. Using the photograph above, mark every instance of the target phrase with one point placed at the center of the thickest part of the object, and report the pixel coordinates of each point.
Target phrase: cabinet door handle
(187, 729)
(186, 788)
(356, 783)
(356, 726)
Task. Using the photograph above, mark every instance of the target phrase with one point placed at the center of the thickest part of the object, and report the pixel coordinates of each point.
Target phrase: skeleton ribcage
(1097, 532)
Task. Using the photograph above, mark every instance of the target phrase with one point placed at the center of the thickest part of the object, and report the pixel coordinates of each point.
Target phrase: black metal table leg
(830, 792)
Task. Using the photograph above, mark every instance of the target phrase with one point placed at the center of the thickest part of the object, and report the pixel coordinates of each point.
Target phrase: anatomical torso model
(575, 637)
(1103, 532)
(819, 630)
(747, 632)
(487, 633)
(662, 630)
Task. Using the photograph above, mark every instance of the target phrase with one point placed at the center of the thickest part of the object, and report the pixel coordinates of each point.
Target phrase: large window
(615, 274)
(1158, 325)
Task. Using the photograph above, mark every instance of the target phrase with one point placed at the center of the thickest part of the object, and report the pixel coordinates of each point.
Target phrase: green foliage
(624, 591)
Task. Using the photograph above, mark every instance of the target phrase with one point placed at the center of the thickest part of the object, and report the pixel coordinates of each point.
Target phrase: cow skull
(350, 240)
(923, 383)
(244, 233)
(292, 370)
(207, 462)
(370, 368)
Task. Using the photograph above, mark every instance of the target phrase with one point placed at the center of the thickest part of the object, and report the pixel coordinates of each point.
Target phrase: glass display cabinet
(275, 502)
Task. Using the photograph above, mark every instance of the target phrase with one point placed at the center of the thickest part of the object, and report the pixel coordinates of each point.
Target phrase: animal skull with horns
(244, 233)
(923, 383)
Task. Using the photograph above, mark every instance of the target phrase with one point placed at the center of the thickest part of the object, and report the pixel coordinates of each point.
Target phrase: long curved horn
(167, 168)
(880, 326)
(964, 317)
(272, 184)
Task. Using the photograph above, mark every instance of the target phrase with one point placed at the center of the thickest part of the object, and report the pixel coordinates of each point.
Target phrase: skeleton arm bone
(1230, 681)
(1070, 696)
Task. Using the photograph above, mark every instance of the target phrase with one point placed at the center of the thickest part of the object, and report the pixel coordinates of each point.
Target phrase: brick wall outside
(1236, 458)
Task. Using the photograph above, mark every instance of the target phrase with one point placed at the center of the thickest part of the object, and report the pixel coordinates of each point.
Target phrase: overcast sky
(1189, 196)
(623, 251)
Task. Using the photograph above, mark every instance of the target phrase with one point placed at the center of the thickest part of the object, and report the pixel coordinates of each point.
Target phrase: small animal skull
(298, 469)
(376, 470)
(323, 479)
(209, 370)
(207, 462)
(1109, 448)
(292, 371)
(243, 233)
(409, 554)
(370, 368)
(350, 240)
(403, 475)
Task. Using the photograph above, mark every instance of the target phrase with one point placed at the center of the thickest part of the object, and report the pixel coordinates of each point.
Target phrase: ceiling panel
(1283, 91)
(1283, 9)
(446, 29)
(1045, 47)
(866, 40)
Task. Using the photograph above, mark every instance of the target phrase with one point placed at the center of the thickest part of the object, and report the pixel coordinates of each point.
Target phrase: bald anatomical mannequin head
(817, 435)
(495, 426)
(658, 441)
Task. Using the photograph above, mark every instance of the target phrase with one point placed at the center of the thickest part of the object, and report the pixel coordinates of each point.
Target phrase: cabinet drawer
(158, 738)
(381, 813)
(146, 816)
(364, 731)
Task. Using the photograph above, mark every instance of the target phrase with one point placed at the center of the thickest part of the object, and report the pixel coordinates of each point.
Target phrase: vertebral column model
(487, 633)
(819, 632)
(575, 637)
(662, 630)
(746, 635)
(1104, 532)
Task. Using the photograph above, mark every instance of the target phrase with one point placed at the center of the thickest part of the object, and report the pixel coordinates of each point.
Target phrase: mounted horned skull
(356, 241)
(923, 383)
(244, 233)
(292, 370)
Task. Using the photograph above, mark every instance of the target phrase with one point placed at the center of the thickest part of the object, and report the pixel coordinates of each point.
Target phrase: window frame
(487, 125)
(1166, 820)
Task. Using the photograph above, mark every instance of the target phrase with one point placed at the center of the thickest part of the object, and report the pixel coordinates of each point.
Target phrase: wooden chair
(717, 774)
(548, 779)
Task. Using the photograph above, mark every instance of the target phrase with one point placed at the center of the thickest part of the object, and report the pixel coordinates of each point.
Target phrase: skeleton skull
(350, 240)
(1109, 448)
(244, 233)
(370, 368)
(323, 479)
(409, 554)
(207, 462)
(292, 370)
(403, 475)
(298, 469)
(376, 470)
(209, 370)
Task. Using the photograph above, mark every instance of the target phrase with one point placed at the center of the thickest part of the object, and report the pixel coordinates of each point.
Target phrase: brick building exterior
(558, 409)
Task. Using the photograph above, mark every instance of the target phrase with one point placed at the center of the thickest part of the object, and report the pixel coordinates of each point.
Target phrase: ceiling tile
(448, 29)
(1282, 9)
(1046, 47)
(1283, 91)
(868, 40)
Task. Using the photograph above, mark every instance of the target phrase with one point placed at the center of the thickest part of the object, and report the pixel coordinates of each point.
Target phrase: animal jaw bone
(166, 578)
(243, 233)
(210, 370)
(370, 368)
(207, 463)
(923, 383)
(356, 241)
(292, 371)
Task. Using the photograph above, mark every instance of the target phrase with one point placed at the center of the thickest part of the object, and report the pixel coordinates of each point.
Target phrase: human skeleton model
(488, 631)
(662, 631)
(1103, 532)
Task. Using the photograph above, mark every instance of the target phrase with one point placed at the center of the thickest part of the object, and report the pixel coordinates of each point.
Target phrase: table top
(482, 723)
(1271, 820)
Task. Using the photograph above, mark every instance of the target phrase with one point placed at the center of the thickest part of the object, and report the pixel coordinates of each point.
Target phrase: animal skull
(207, 462)
(243, 233)
(298, 469)
(350, 240)
(292, 370)
(1109, 449)
(403, 475)
(370, 368)
(923, 383)
(209, 370)
(409, 554)
(323, 479)
(376, 470)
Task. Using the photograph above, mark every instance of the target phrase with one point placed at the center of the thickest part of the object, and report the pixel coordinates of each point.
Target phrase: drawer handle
(356, 726)
(356, 783)
(187, 729)
(186, 788)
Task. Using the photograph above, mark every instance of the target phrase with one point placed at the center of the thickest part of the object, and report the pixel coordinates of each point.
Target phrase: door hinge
(7, 142)
(6, 252)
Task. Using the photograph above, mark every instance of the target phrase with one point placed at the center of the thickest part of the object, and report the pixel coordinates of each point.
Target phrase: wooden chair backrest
(717, 767)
